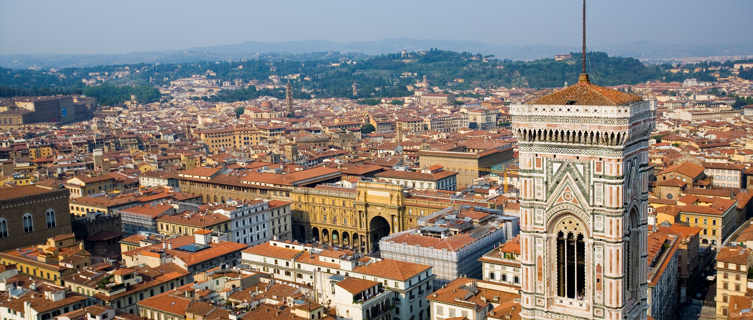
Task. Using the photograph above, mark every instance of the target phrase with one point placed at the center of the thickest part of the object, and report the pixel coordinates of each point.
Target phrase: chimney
(202, 236)
(169, 245)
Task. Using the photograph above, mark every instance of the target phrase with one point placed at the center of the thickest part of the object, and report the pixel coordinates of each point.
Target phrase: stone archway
(378, 228)
(299, 233)
(325, 236)
(356, 242)
(335, 238)
(346, 239)
(315, 234)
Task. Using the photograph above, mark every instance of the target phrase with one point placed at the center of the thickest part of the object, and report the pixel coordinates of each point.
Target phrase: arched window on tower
(571, 255)
(632, 254)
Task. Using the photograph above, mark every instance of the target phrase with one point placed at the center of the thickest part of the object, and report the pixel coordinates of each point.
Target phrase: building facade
(30, 214)
(469, 164)
(502, 264)
(584, 201)
(732, 266)
(451, 241)
(321, 270)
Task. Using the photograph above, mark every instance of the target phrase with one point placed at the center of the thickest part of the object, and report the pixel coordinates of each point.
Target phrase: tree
(370, 101)
(747, 74)
(742, 101)
(367, 128)
(239, 111)
(397, 102)
(473, 125)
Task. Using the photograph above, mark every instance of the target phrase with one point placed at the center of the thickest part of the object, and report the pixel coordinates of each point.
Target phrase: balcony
(365, 298)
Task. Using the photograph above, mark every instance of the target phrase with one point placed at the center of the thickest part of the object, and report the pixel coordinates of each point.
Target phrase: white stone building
(451, 241)
(321, 269)
(359, 299)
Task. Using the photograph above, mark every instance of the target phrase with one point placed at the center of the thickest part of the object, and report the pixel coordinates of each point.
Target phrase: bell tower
(583, 153)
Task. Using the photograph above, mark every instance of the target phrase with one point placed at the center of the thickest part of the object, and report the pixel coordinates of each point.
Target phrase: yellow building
(732, 266)
(190, 161)
(358, 217)
(86, 186)
(470, 163)
(19, 180)
(113, 182)
(717, 220)
(59, 257)
(187, 223)
(231, 138)
(108, 205)
(37, 152)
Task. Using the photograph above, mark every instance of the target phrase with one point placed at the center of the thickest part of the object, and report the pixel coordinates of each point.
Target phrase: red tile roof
(586, 93)
(355, 285)
(268, 250)
(392, 269)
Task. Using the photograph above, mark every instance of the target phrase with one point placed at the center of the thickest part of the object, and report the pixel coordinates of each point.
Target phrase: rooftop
(584, 93)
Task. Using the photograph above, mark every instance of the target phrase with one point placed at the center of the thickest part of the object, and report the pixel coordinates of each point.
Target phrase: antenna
(584, 37)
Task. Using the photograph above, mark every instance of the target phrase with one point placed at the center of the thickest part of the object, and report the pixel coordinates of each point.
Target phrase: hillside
(333, 75)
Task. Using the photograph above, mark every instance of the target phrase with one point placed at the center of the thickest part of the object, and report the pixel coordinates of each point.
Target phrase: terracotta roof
(215, 250)
(167, 302)
(733, 255)
(746, 234)
(512, 246)
(355, 285)
(268, 250)
(152, 211)
(261, 291)
(410, 175)
(453, 243)
(671, 183)
(471, 293)
(200, 220)
(135, 238)
(278, 203)
(584, 93)
(360, 169)
(509, 310)
(200, 172)
(682, 231)
(8, 193)
(740, 307)
(689, 169)
(655, 242)
(392, 269)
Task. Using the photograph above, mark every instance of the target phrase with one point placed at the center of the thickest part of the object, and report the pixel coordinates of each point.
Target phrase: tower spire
(584, 75)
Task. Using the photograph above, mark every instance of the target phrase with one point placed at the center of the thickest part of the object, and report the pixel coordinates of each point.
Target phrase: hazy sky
(119, 26)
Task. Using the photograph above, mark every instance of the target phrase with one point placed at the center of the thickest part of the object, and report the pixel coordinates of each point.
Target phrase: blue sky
(108, 26)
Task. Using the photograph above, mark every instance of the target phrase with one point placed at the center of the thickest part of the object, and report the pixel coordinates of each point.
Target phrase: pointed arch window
(632, 254)
(3, 228)
(28, 223)
(571, 256)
